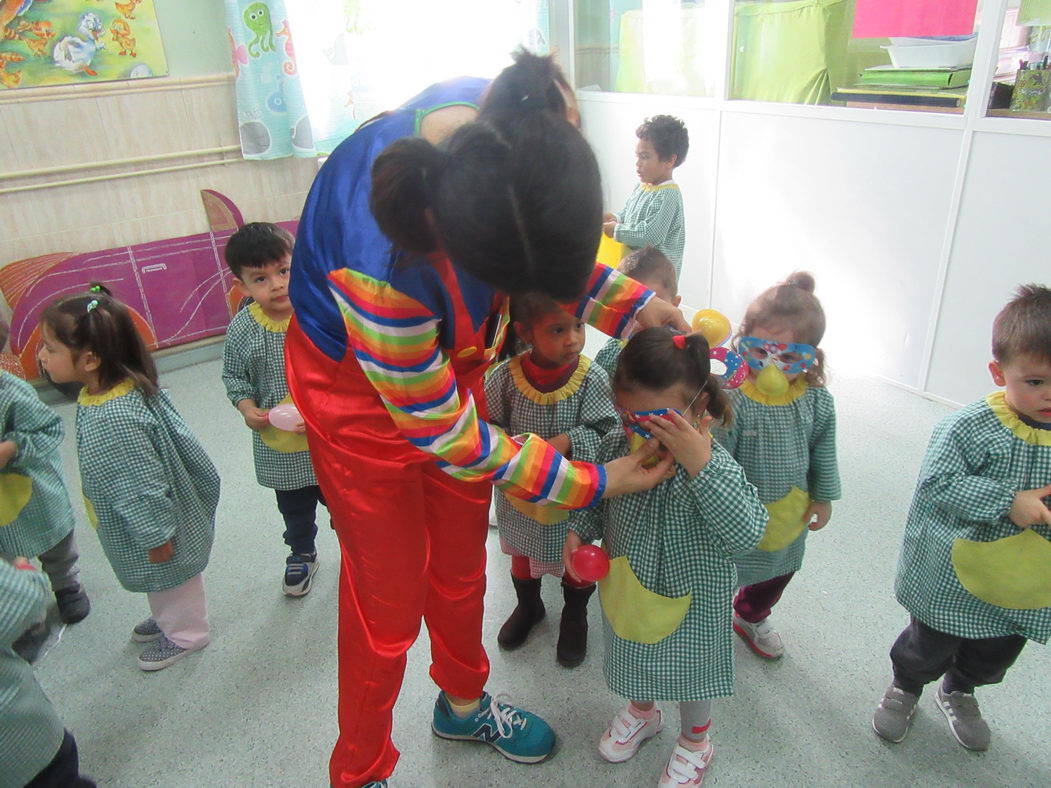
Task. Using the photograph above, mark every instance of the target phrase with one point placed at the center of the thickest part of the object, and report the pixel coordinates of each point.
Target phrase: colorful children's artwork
(61, 42)
(178, 289)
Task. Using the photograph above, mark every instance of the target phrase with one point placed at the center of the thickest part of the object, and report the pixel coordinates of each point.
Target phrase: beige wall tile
(139, 124)
(212, 112)
(47, 134)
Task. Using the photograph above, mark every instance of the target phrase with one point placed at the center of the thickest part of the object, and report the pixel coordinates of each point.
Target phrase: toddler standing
(149, 488)
(975, 566)
(784, 436)
(260, 257)
(666, 599)
(554, 392)
(35, 516)
(653, 214)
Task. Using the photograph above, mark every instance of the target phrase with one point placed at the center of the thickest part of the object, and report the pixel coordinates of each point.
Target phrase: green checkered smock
(254, 368)
(787, 447)
(965, 568)
(146, 481)
(30, 730)
(654, 216)
(608, 355)
(666, 602)
(35, 514)
(582, 409)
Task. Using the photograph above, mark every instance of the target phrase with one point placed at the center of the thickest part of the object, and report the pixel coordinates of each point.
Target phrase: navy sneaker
(299, 573)
(518, 735)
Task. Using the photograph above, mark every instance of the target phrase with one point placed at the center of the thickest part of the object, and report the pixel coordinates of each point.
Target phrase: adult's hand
(627, 475)
(659, 312)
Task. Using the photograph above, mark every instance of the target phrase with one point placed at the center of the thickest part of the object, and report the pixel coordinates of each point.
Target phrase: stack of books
(908, 87)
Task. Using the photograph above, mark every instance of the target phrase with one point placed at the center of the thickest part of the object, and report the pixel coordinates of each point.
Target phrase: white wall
(885, 214)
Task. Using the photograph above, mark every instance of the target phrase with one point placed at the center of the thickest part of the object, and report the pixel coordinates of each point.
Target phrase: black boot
(528, 613)
(573, 631)
(73, 604)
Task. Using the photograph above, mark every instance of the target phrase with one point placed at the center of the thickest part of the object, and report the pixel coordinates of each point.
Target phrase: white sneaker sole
(501, 750)
(743, 634)
(304, 587)
(149, 667)
(623, 757)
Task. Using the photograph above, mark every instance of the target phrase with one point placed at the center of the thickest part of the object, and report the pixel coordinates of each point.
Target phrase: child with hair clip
(554, 392)
(260, 257)
(150, 489)
(654, 214)
(35, 516)
(666, 599)
(652, 270)
(975, 567)
(784, 436)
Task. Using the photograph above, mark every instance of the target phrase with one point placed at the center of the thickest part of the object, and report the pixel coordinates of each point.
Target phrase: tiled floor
(257, 707)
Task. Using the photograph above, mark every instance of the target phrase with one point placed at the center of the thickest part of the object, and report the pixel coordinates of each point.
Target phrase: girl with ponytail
(417, 229)
(150, 489)
(667, 596)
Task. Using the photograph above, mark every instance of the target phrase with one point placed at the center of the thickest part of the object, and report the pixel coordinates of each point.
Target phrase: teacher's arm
(613, 303)
(395, 339)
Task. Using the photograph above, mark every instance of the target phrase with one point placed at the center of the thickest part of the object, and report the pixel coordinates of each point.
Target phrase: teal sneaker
(518, 735)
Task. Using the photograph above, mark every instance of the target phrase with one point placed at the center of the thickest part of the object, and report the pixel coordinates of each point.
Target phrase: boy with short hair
(975, 567)
(651, 269)
(260, 257)
(653, 214)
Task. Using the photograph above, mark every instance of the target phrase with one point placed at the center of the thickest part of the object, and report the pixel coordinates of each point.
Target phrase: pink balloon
(285, 417)
(590, 562)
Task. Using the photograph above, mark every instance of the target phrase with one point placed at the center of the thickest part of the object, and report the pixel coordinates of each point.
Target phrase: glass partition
(1022, 82)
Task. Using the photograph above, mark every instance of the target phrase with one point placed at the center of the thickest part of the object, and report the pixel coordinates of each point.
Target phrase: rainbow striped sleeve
(611, 301)
(395, 339)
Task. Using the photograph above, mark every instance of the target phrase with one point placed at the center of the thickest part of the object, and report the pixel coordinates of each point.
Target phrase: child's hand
(817, 515)
(1028, 508)
(633, 473)
(573, 541)
(607, 227)
(162, 554)
(608, 217)
(691, 448)
(256, 418)
(561, 444)
(8, 450)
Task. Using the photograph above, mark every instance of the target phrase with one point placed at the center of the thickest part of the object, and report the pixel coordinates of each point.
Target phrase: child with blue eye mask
(784, 436)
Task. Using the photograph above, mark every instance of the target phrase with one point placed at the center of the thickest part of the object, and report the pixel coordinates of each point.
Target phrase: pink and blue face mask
(791, 358)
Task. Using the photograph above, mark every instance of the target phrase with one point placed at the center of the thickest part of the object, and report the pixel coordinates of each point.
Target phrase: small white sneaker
(686, 767)
(626, 734)
(761, 637)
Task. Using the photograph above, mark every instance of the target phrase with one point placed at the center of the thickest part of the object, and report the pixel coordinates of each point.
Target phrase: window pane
(1022, 83)
(646, 46)
(889, 54)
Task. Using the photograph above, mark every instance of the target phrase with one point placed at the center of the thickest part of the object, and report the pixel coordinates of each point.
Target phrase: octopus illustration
(257, 19)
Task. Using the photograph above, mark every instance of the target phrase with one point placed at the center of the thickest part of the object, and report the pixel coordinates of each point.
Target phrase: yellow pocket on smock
(89, 507)
(634, 612)
(15, 491)
(282, 440)
(545, 515)
(1013, 573)
(786, 521)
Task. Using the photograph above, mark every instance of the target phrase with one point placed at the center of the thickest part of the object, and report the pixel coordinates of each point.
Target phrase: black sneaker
(31, 642)
(73, 604)
(299, 573)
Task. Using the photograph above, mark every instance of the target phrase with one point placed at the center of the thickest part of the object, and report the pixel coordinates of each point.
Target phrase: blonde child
(35, 516)
(653, 214)
(554, 392)
(975, 566)
(150, 489)
(260, 257)
(784, 436)
(649, 268)
(666, 599)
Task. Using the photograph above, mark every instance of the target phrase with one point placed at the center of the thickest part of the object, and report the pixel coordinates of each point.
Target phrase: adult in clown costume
(415, 231)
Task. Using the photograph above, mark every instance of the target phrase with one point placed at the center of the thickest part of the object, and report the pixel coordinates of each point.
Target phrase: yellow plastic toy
(714, 325)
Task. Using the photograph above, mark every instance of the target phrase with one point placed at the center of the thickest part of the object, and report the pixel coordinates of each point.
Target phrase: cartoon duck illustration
(127, 10)
(121, 31)
(9, 9)
(10, 79)
(36, 35)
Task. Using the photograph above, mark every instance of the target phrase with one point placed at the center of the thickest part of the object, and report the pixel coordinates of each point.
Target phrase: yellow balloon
(771, 381)
(713, 325)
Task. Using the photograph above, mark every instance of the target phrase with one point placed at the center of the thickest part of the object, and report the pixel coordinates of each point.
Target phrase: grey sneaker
(965, 719)
(146, 631)
(162, 653)
(894, 714)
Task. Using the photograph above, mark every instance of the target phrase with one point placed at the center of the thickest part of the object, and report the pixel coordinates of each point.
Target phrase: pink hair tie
(679, 340)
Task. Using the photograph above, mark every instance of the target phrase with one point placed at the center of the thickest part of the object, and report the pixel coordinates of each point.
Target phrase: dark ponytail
(653, 360)
(532, 83)
(99, 323)
(515, 199)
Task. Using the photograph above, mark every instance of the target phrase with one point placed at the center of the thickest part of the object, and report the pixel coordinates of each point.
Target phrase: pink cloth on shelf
(884, 18)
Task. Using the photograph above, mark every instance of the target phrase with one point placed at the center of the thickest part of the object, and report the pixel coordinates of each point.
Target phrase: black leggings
(64, 769)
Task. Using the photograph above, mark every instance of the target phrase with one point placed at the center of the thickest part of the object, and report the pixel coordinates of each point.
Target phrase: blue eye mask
(792, 358)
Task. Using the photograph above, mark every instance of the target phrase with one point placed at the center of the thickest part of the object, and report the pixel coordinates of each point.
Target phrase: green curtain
(790, 52)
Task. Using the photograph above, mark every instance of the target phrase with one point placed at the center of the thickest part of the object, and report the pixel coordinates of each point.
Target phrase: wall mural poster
(61, 42)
